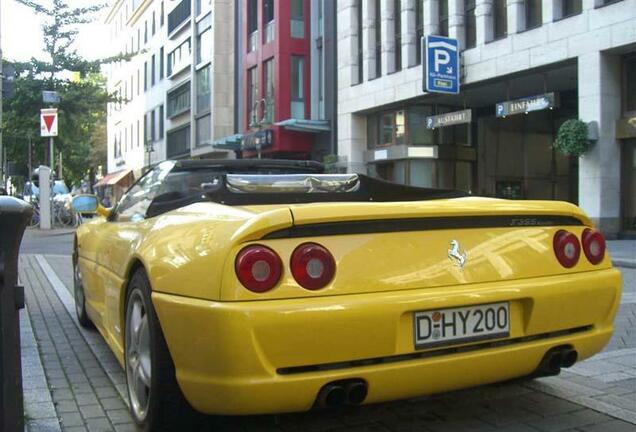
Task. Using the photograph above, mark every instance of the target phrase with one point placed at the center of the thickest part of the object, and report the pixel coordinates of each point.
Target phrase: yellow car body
(240, 352)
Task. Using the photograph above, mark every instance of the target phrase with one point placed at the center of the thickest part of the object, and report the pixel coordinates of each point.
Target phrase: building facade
(286, 85)
(575, 57)
(172, 103)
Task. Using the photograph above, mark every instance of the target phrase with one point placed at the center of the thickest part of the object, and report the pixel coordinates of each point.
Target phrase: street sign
(50, 96)
(526, 105)
(449, 119)
(48, 122)
(441, 65)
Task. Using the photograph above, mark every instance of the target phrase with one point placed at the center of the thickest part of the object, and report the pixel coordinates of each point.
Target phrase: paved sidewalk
(87, 384)
(623, 252)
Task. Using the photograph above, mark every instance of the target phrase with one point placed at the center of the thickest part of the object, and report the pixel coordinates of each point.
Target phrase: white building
(173, 103)
(581, 52)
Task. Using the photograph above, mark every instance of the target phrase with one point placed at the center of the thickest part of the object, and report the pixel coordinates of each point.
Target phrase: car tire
(160, 405)
(80, 297)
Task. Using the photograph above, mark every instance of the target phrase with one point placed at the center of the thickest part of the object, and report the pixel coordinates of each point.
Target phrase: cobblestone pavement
(87, 384)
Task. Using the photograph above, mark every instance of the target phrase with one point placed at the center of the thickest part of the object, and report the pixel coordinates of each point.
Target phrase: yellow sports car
(256, 286)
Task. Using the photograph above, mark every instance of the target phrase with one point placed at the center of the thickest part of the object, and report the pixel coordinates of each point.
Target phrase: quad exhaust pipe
(555, 359)
(340, 393)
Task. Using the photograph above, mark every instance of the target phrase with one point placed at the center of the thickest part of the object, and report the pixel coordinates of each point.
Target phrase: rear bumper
(235, 357)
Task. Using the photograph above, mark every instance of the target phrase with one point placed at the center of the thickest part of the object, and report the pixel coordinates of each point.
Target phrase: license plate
(460, 325)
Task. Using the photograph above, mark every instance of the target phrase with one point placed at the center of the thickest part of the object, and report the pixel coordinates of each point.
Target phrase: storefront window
(422, 173)
(388, 128)
(400, 127)
(419, 134)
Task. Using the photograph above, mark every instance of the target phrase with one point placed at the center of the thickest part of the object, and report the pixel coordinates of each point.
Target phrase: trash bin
(14, 216)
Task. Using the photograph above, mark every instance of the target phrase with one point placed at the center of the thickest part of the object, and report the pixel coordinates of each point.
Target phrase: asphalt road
(54, 242)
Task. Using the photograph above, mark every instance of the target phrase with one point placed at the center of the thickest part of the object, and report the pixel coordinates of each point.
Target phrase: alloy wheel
(138, 356)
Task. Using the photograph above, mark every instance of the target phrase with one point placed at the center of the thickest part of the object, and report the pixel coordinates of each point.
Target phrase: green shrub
(572, 138)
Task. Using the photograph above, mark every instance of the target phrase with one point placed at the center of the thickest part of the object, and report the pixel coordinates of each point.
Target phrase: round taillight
(312, 266)
(258, 268)
(593, 245)
(566, 248)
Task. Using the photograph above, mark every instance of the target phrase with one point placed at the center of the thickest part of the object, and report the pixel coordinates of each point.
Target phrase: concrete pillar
(431, 17)
(550, 10)
(352, 139)
(516, 16)
(409, 33)
(388, 36)
(599, 78)
(456, 27)
(484, 18)
(368, 34)
(348, 31)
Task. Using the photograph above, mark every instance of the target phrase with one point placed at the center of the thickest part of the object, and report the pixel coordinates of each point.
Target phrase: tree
(83, 102)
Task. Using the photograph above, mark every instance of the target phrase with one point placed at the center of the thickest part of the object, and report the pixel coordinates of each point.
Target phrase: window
(252, 96)
(153, 126)
(203, 89)
(500, 18)
(178, 15)
(360, 41)
(252, 25)
(204, 130)
(378, 37)
(161, 14)
(268, 20)
(145, 32)
(138, 82)
(202, 6)
(297, 19)
(154, 24)
(178, 142)
(533, 13)
(419, 29)
(148, 132)
(471, 23)
(179, 58)
(571, 7)
(630, 84)
(397, 28)
(145, 76)
(152, 70)
(138, 39)
(268, 79)
(137, 135)
(161, 63)
(161, 114)
(204, 44)
(297, 87)
(179, 100)
(443, 18)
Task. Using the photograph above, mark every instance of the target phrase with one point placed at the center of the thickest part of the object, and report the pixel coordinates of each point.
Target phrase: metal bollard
(14, 217)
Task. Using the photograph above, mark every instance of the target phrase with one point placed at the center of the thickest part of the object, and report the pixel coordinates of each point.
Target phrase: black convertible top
(246, 166)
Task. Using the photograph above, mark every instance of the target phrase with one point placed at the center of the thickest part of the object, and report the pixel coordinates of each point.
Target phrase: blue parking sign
(441, 65)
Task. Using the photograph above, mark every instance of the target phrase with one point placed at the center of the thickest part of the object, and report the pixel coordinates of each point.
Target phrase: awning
(301, 125)
(231, 142)
(113, 178)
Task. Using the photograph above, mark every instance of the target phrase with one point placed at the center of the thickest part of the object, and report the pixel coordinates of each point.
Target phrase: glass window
(252, 96)
(145, 31)
(400, 127)
(397, 28)
(419, 28)
(203, 89)
(152, 70)
(268, 79)
(161, 114)
(204, 46)
(268, 20)
(387, 128)
(572, 7)
(297, 19)
(378, 38)
(630, 84)
(422, 173)
(161, 63)
(178, 15)
(443, 17)
(154, 23)
(178, 142)
(359, 45)
(500, 18)
(419, 134)
(134, 204)
(202, 6)
(252, 24)
(179, 58)
(161, 14)
(179, 100)
(372, 131)
(533, 13)
(153, 126)
(204, 130)
(471, 23)
(298, 87)
(145, 76)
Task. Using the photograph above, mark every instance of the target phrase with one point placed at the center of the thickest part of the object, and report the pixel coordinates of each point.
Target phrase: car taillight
(258, 268)
(312, 266)
(593, 245)
(566, 248)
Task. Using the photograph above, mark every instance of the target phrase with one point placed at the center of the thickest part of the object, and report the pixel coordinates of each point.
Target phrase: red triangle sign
(48, 120)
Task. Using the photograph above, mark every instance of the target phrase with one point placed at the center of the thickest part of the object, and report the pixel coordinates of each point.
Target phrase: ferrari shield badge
(455, 254)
